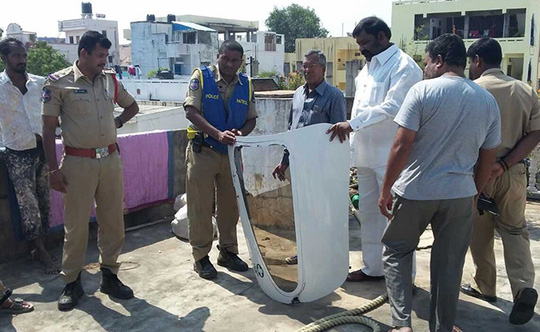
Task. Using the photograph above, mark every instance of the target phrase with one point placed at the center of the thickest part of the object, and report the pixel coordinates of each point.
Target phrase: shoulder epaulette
(59, 74)
(53, 77)
(109, 72)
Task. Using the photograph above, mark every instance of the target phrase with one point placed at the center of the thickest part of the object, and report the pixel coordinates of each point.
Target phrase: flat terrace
(169, 296)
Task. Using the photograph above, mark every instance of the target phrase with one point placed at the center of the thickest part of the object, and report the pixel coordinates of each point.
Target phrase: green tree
(44, 60)
(294, 22)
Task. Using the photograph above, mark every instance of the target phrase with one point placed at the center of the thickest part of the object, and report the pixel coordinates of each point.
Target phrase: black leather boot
(70, 295)
(111, 285)
(204, 268)
(231, 261)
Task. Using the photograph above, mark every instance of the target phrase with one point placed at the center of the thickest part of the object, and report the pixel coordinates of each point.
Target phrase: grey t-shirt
(453, 118)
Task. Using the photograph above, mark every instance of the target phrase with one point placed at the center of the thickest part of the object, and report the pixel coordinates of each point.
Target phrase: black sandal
(5, 295)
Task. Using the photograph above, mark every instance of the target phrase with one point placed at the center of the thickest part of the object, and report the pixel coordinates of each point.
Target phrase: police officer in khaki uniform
(220, 105)
(520, 119)
(83, 96)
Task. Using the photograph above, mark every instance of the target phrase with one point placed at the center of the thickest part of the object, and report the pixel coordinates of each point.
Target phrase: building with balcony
(343, 58)
(181, 43)
(75, 28)
(176, 46)
(513, 23)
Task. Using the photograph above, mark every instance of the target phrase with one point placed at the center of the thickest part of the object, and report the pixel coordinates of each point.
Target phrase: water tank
(86, 7)
(171, 18)
(150, 18)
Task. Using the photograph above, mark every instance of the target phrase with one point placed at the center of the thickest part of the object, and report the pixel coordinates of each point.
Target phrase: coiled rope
(349, 317)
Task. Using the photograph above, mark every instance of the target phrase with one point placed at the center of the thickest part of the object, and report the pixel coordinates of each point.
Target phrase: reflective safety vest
(213, 106)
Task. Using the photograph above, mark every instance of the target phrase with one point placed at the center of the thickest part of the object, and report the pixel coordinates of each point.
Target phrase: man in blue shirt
(314, 102)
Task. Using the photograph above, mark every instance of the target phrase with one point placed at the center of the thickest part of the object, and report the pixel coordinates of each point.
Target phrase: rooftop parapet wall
(273, 118)
(13, 248)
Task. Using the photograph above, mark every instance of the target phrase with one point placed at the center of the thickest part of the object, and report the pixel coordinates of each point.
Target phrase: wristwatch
(119, 121)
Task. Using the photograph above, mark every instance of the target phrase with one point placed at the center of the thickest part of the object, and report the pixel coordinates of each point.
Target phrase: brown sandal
(18, 306)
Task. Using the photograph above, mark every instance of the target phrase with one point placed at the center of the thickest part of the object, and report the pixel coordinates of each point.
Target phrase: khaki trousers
(89, 179)
(208, 173)
(510, 194)
(451, 222)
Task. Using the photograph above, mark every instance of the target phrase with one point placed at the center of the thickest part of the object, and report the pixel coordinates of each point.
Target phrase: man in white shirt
(381, 87)
(20, 124)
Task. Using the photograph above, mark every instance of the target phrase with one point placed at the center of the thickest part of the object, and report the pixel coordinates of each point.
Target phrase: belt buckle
(102, 152)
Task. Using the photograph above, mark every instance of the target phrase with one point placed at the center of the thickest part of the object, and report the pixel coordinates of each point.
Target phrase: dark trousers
(28, 172)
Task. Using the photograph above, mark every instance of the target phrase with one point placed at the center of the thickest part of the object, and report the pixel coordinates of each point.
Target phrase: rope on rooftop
(349, 317)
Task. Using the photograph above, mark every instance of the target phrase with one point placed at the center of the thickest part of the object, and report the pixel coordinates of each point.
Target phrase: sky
(42, 16)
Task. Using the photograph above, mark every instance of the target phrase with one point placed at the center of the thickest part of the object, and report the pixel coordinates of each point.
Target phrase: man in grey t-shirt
(449, 129)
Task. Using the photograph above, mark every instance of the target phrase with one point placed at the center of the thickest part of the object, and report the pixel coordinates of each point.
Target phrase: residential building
(174, 45)
(343, 58)
(264, 50)
(14, 30)
(59, 44)
(75, 28)
(513, 23)
(181, 43)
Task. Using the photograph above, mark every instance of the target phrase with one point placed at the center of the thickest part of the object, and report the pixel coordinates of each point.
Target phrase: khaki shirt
(518, 103)
(194, 93)
(85, 107)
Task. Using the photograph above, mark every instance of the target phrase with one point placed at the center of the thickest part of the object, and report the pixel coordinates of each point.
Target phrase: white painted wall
(148, 47)
(69, 51)
(268, 60)
(168, 119)
(258, 163)
(192, 55)
(162, 90)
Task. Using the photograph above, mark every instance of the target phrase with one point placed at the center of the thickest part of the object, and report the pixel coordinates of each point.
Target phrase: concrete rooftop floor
(171, 297)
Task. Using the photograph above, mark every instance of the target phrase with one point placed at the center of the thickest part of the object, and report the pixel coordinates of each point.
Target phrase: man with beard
(20, 124)
(381, 87)
(83, 96)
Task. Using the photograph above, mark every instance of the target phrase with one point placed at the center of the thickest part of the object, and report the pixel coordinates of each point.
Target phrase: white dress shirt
(381, 87)
(20, 115)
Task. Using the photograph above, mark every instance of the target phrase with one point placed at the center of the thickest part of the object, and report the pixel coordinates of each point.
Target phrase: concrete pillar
(466, 28)
(351, 71)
